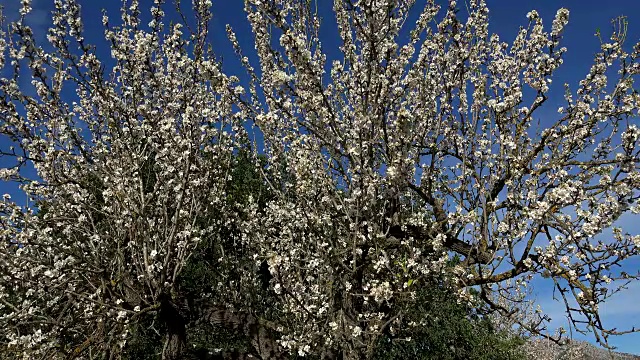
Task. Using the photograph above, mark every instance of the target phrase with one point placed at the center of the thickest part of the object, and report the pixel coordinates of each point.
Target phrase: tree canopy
(309, 210)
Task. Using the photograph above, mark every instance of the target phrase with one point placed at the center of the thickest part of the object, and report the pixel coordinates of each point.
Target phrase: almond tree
(126, 168)
(420, 142)
(406, 154)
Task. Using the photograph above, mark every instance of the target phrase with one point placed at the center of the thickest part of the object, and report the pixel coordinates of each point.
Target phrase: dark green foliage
(201, 274)
(247, 181)
(451, 331)
(145, 343)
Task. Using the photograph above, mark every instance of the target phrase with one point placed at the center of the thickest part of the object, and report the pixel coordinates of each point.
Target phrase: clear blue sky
(505, 18)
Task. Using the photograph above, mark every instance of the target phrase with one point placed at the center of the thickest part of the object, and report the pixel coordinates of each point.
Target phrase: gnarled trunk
(173, 346)
(176, 334)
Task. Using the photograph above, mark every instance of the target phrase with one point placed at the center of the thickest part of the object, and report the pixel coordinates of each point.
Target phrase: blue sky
(505, 18)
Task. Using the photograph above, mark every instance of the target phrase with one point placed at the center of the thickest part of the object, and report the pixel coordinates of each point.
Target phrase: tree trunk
(174, 345)
(176, 334)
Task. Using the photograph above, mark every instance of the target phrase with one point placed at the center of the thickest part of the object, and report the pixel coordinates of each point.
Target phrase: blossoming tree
(382, 165)
(125, 171)
(409, 152)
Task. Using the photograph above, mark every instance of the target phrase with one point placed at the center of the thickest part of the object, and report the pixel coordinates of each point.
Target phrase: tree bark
(456, 245)
(176, 335)
(173, 346)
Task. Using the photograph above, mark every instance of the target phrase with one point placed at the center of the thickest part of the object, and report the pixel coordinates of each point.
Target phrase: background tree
(203, 272)
(447, 330)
